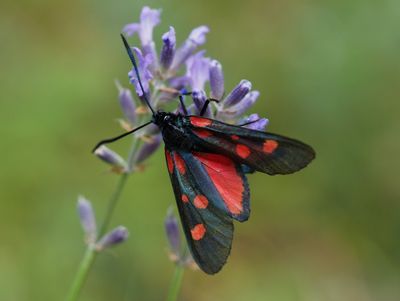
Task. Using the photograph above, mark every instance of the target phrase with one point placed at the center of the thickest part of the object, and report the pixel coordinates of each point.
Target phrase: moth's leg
(183, 104)
(204, 108)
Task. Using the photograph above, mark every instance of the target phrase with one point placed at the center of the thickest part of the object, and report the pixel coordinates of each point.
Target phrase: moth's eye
(166, 118)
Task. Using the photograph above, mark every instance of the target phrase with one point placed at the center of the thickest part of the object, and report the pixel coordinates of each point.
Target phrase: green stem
(176, 283)
(90, 254)
(112, 203)
(82, 273)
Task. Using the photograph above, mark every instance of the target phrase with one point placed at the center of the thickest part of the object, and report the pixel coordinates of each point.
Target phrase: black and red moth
(207, 162)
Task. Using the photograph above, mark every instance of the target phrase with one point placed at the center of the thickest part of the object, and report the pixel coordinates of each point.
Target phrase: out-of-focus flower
(176, 252)
(149, 18)
(173, 234)
(87, 219)
(112, 238)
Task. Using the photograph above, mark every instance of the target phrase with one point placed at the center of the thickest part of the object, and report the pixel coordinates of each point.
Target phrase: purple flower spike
(173, 234)
(168, 49)
(110, 157)
(257, 123)
(238, 93)
(87, 218)
(196, 38)
(149, 18)
(216, 80)
(148, 148)
(145, 75)
(112, 238)
(127, 104)
(199, 98)
(198, 70)
(241, 107)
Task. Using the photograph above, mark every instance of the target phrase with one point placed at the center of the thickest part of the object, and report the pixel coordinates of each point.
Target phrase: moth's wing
(206, 219)
(261, 151)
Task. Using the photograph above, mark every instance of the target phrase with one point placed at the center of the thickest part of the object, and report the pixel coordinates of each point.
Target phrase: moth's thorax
(174, 130)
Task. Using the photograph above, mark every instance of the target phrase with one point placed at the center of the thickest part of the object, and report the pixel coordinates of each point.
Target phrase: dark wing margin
(207, 225)
(261, 151)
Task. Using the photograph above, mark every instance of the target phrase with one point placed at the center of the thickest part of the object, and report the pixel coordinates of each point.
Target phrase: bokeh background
(328, 73)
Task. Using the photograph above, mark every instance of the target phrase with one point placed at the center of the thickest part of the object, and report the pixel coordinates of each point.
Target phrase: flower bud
(173, 234)
(255, 122)
(127, 104)
(112, 238)
(238, 93)
(110, 157)
(148, 148)
(87, 219)
(168, 49)
(216, 80)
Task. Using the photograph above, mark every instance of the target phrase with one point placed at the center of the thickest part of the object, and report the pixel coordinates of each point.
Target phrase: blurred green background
(328, 73)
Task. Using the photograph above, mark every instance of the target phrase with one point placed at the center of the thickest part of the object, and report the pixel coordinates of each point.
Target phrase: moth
(207, 161)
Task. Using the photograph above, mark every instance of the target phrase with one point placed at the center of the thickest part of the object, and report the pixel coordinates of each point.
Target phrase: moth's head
(162, 118)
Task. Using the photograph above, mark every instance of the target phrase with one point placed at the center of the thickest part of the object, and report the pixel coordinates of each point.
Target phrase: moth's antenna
(105, 141)
(135, 67)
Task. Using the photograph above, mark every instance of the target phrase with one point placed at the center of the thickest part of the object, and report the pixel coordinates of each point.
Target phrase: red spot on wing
(200, 122)
(222, 172)
(235, 137)
(242, 151)
(185, 198)
(180, 164)
(269, 146)
(198, 231)
(170, 164)
(202, 133)
(200, 201)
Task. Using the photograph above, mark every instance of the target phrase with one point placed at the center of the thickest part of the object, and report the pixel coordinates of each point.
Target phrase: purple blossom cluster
(175, 70)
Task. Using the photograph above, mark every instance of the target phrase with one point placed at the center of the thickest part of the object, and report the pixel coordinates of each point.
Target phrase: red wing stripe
(227, 181)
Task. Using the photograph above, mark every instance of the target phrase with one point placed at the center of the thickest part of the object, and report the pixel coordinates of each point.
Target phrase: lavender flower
(198, 67)
(110, 157)
(88, 221)
(196, 38)
(145, 73)
(177, 69)
(168, 49)
(216, 80)
(255, 122)
(176, 252)
(238, 93)
(199, 98)
(149, 18)
(173, 233)
(241, 107)
(112, 238)
(127, 104)
(149, 147)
